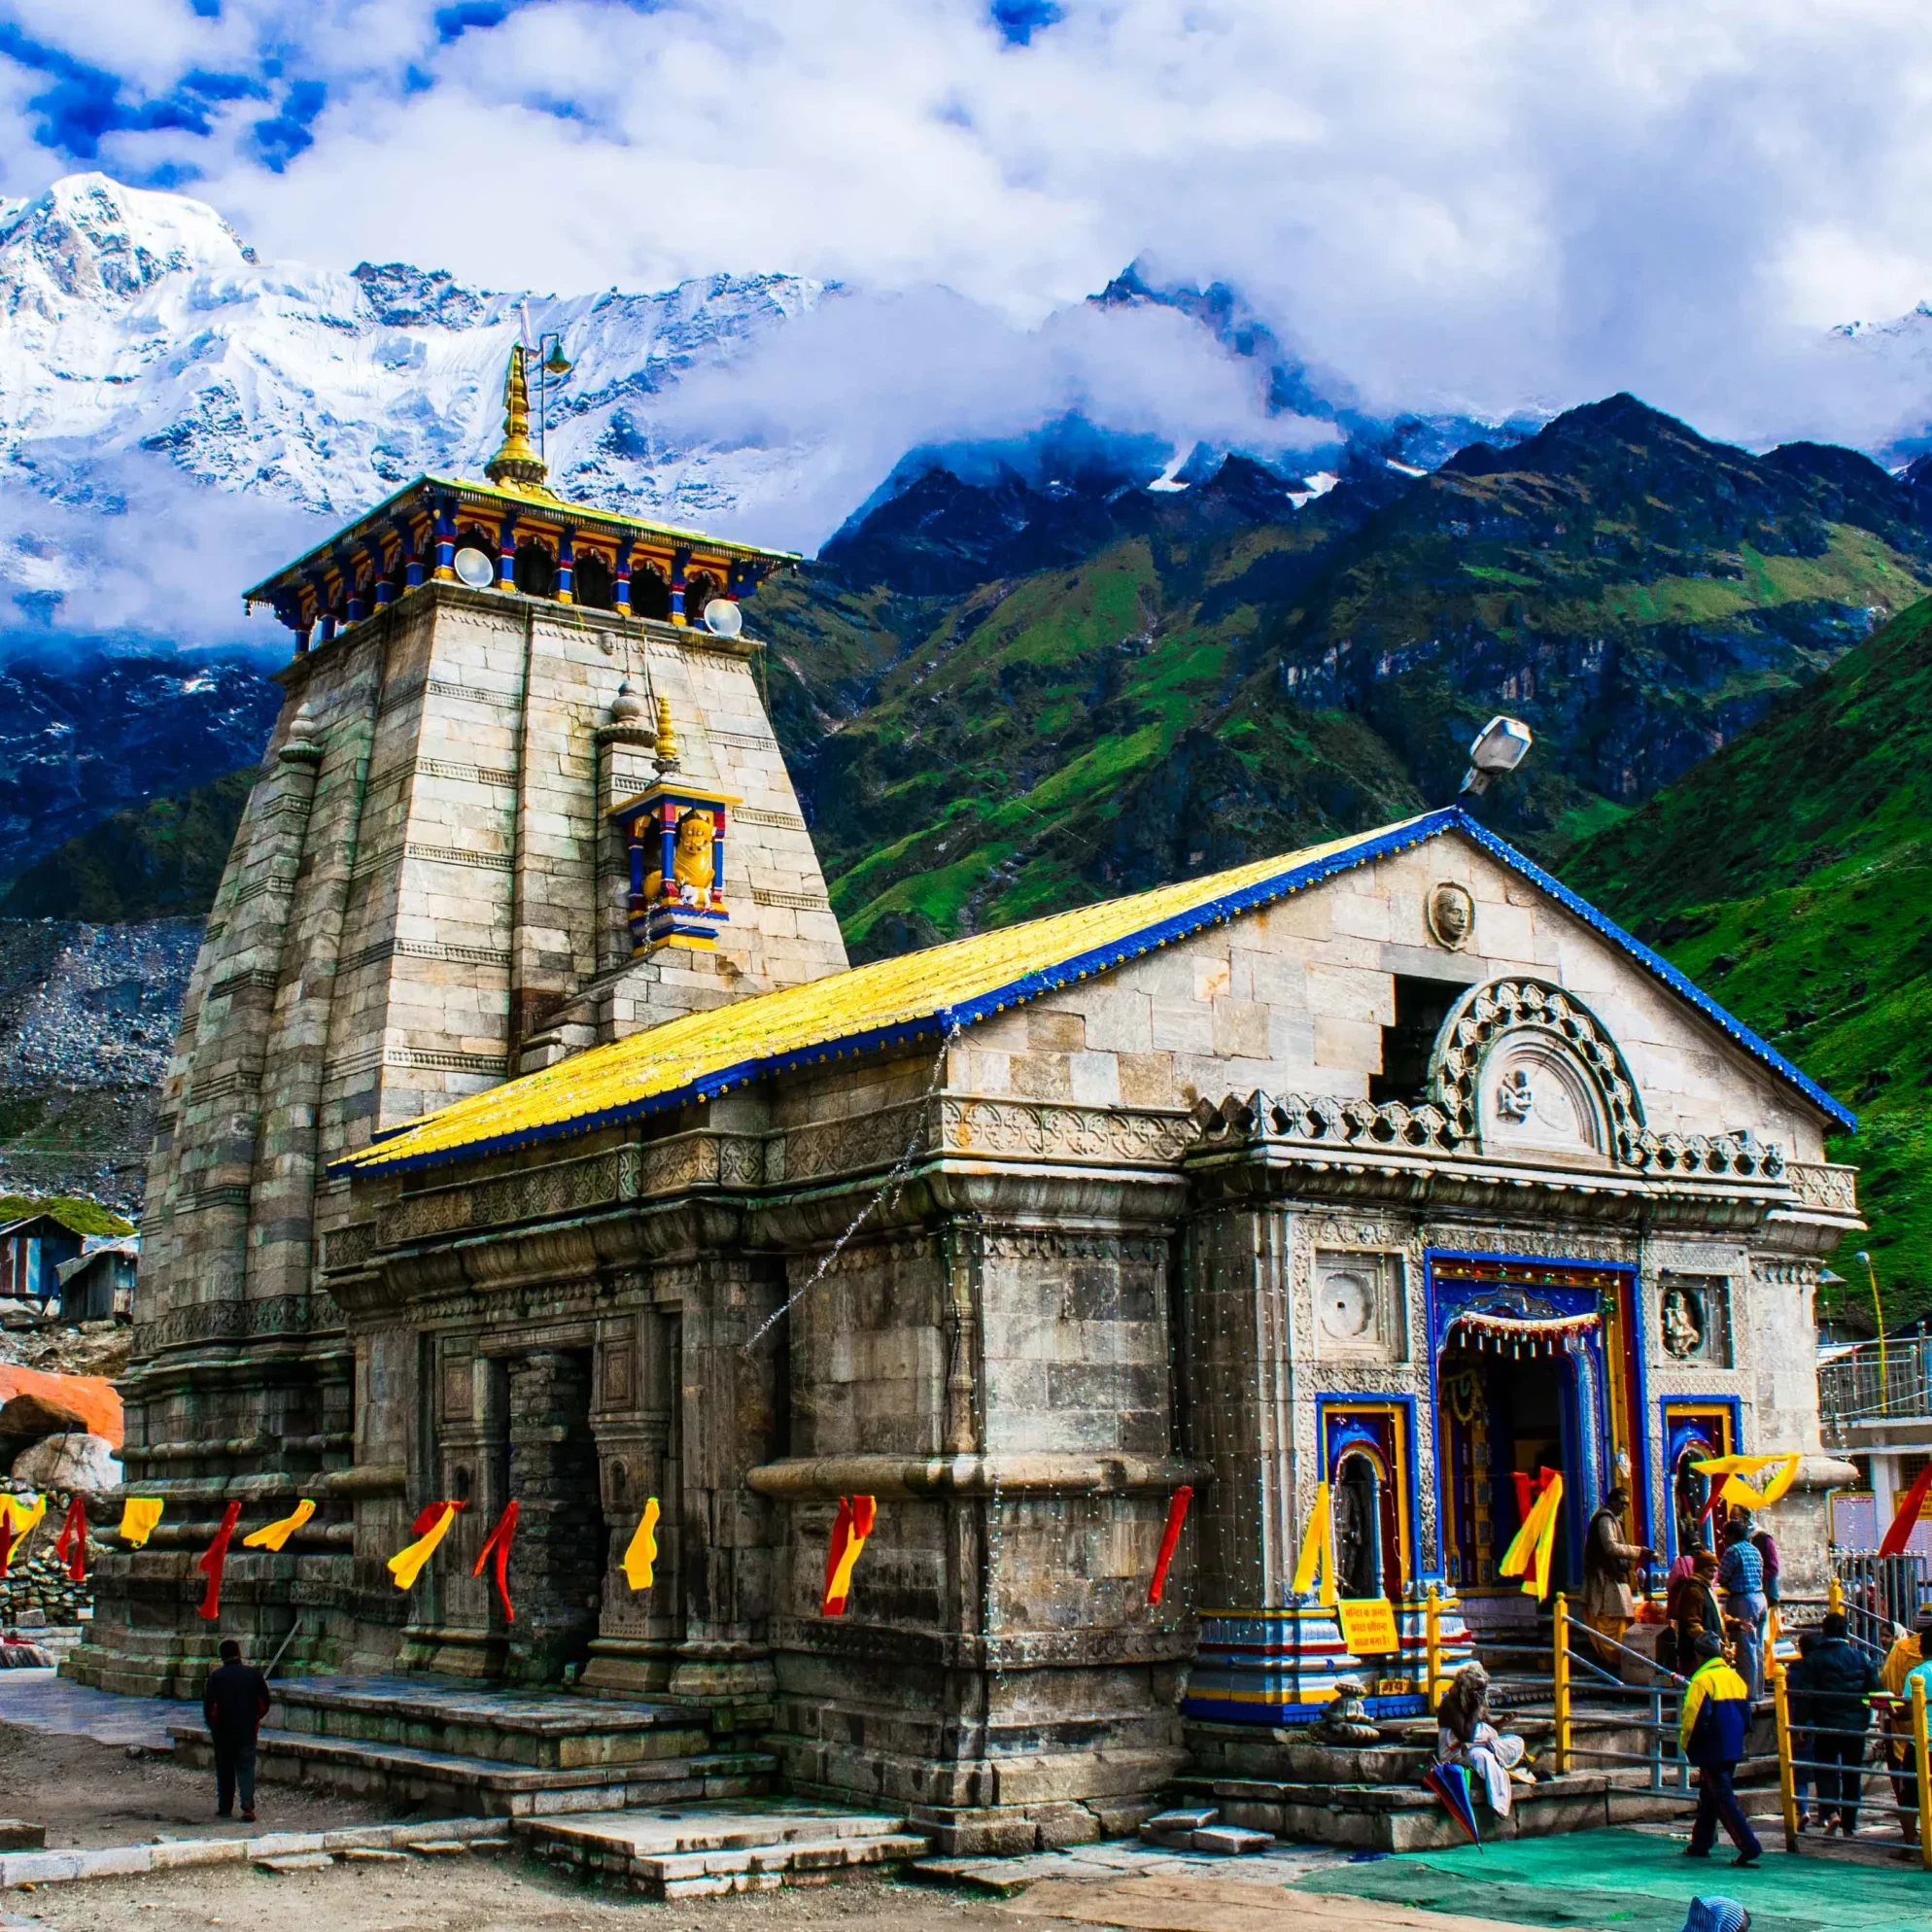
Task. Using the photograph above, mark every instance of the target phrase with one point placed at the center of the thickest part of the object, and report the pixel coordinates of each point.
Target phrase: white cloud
(1478, 206)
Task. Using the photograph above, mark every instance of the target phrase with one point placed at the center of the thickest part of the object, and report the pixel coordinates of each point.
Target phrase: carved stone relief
(1360, 1307)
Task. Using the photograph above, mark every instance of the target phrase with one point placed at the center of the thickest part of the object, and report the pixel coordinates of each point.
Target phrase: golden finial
(665, 758)
(516, 462)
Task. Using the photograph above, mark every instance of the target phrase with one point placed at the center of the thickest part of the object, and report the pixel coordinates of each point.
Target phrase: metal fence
(1856, 1386)
(1881, 1593)
(1612, 1708)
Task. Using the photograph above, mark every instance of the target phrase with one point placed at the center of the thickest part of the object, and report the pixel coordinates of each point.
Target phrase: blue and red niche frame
(663, 909)
(1607, 1419)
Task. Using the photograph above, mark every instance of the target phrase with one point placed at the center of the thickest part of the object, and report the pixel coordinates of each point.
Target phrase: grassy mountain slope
(1206, 688)
(1791, 875)
(163, 859)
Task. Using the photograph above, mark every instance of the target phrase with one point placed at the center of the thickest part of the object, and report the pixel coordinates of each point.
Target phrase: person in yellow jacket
(1710, 1733)
(1901, 1660)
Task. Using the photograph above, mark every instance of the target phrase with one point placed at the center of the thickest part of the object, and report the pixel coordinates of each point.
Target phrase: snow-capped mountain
(137, 320)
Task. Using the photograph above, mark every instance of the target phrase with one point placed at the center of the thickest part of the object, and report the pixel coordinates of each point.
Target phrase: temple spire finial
(516, 462)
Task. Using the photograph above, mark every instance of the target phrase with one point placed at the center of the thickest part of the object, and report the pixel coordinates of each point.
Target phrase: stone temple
(529, 1136)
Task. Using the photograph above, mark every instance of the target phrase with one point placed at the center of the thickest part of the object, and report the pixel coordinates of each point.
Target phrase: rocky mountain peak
(90, 240)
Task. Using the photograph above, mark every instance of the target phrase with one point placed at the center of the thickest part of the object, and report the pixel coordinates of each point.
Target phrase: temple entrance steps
(1371, 1797)
(695, 1852)
(452, 1748)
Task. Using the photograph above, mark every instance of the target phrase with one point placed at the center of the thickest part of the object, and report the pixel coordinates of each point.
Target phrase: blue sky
(1495, 203)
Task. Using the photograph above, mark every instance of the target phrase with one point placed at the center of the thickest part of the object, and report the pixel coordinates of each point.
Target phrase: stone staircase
(703, 1853)
(445, 1746)
(1371, 1797)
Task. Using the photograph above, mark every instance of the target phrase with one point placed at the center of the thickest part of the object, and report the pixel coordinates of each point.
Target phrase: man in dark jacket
(1716, 1715)
(234, 1701)
(1831, 1688)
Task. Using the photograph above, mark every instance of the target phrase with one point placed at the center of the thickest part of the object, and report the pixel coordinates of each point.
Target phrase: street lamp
(552, 366)
(1877, 1315)
(1499, 746)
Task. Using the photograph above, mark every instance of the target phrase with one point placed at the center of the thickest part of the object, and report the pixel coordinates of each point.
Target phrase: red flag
(215, 1559)
(497, 1544)
(850, 1530)
(1906, 1519)
(71, 1545)
(1177, 1514)
(6, 1541)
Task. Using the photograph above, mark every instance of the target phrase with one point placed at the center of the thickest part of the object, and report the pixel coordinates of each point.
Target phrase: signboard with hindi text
(1368, 1626)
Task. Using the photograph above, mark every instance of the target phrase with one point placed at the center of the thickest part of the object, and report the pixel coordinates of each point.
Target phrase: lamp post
(1879, 1316)
(552, 366)
(1498, 747)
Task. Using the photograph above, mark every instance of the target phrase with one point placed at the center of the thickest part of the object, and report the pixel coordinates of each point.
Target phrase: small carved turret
(516, 462)
(665, 758)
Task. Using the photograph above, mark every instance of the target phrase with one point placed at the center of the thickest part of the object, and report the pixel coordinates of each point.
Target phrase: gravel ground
(475, 1895)
(90, 1795)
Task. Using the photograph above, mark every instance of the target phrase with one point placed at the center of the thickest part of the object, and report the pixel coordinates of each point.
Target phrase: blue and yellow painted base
(1281, 1667)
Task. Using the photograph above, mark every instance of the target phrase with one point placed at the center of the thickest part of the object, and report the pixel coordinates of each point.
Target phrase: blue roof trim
(1167, 932)
(1656, 964)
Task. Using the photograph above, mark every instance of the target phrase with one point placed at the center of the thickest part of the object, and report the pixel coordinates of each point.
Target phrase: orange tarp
(90, 1399)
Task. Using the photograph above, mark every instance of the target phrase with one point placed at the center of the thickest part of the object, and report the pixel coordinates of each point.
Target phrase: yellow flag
(21, 1513)
(1547, 1541)
(1738, 1469)
(407, 1564)
(1531, 1548)
(138, 1516)
(640, 1559)
(272, 1536)
(1315, 1558)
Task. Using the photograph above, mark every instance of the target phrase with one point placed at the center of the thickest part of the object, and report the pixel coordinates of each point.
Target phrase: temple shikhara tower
(529, 1139)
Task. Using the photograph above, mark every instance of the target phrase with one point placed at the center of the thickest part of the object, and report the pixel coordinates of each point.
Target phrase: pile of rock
(37, 1590)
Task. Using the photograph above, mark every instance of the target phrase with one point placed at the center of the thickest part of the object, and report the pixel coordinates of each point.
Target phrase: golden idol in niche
(693, 868)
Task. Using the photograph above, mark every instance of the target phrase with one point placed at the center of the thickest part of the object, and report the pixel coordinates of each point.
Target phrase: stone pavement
(1279, 1866)
(41, 1701)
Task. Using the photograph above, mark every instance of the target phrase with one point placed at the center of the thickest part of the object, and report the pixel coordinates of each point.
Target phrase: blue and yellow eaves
(926, 995)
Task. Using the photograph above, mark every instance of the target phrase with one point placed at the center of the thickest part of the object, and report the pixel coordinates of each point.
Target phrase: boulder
(34, 1403)
(68, 1463)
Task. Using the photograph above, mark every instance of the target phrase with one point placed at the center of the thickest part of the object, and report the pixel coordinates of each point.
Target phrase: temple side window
(594, 584)
(535, 573)
(650, 591)
(1421, 1007)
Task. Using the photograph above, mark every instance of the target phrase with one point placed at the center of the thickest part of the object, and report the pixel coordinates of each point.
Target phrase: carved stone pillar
(560, 1527)
(729, 1413)
(635, 1422)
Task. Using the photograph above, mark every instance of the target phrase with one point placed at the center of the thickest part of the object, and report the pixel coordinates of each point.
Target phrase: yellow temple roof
(932, 993)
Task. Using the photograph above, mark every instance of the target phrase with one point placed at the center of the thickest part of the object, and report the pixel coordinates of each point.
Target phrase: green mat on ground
(1638, 1881)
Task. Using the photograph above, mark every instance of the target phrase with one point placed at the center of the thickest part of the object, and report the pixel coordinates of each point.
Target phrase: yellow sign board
(1368, 1626)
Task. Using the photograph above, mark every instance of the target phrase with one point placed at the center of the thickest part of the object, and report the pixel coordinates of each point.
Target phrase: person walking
(1609, 1562)
(234, 1701)
(1710, 1734)
(1831, 1690)
(1740, 1576)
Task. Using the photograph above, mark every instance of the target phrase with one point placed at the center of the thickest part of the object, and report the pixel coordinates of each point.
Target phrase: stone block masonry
(425, 891)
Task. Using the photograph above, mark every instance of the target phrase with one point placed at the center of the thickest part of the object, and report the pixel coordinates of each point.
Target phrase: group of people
(1729, 1596)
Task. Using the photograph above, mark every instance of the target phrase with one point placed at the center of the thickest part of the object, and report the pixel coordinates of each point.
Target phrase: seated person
(1466, 1737)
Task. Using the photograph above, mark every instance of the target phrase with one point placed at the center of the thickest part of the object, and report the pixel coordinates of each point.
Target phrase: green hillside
(154, 861)
(1792, 876)
(1197, 692)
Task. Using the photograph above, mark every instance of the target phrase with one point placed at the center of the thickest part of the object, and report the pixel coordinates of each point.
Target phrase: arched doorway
(1365, 1459)
(1509, 1406)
